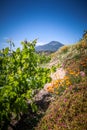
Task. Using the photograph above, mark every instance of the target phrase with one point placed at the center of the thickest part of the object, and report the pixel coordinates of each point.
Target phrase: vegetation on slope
(65, 53)
(69, 110)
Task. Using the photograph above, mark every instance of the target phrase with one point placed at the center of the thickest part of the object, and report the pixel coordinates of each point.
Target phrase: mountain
(51, 46)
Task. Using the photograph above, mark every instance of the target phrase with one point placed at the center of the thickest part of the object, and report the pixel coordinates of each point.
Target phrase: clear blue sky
(47, 20)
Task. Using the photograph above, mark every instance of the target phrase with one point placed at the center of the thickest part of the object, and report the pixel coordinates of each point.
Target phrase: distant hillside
(51, 46)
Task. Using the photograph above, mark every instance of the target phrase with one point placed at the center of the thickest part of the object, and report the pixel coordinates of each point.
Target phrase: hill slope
(51, 46)
(69, 110)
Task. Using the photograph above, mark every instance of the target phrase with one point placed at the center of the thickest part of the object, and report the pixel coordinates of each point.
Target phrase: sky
(45, 20)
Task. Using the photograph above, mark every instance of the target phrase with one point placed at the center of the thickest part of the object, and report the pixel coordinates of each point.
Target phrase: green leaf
(18, 50)
(6, 50)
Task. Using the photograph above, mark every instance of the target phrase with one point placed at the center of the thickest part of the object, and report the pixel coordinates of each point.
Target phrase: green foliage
(44, 58)
(20, 74)
(53, 68)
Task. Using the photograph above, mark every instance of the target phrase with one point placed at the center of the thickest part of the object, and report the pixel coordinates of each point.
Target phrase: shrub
(20, 74)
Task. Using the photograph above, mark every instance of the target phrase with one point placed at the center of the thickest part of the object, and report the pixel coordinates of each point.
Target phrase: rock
(42, 99)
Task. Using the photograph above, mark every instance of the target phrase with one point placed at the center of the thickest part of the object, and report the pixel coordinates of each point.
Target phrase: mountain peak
(51, 46)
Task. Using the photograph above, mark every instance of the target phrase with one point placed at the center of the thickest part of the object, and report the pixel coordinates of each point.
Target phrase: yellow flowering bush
(59, 85)
(64, 49)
